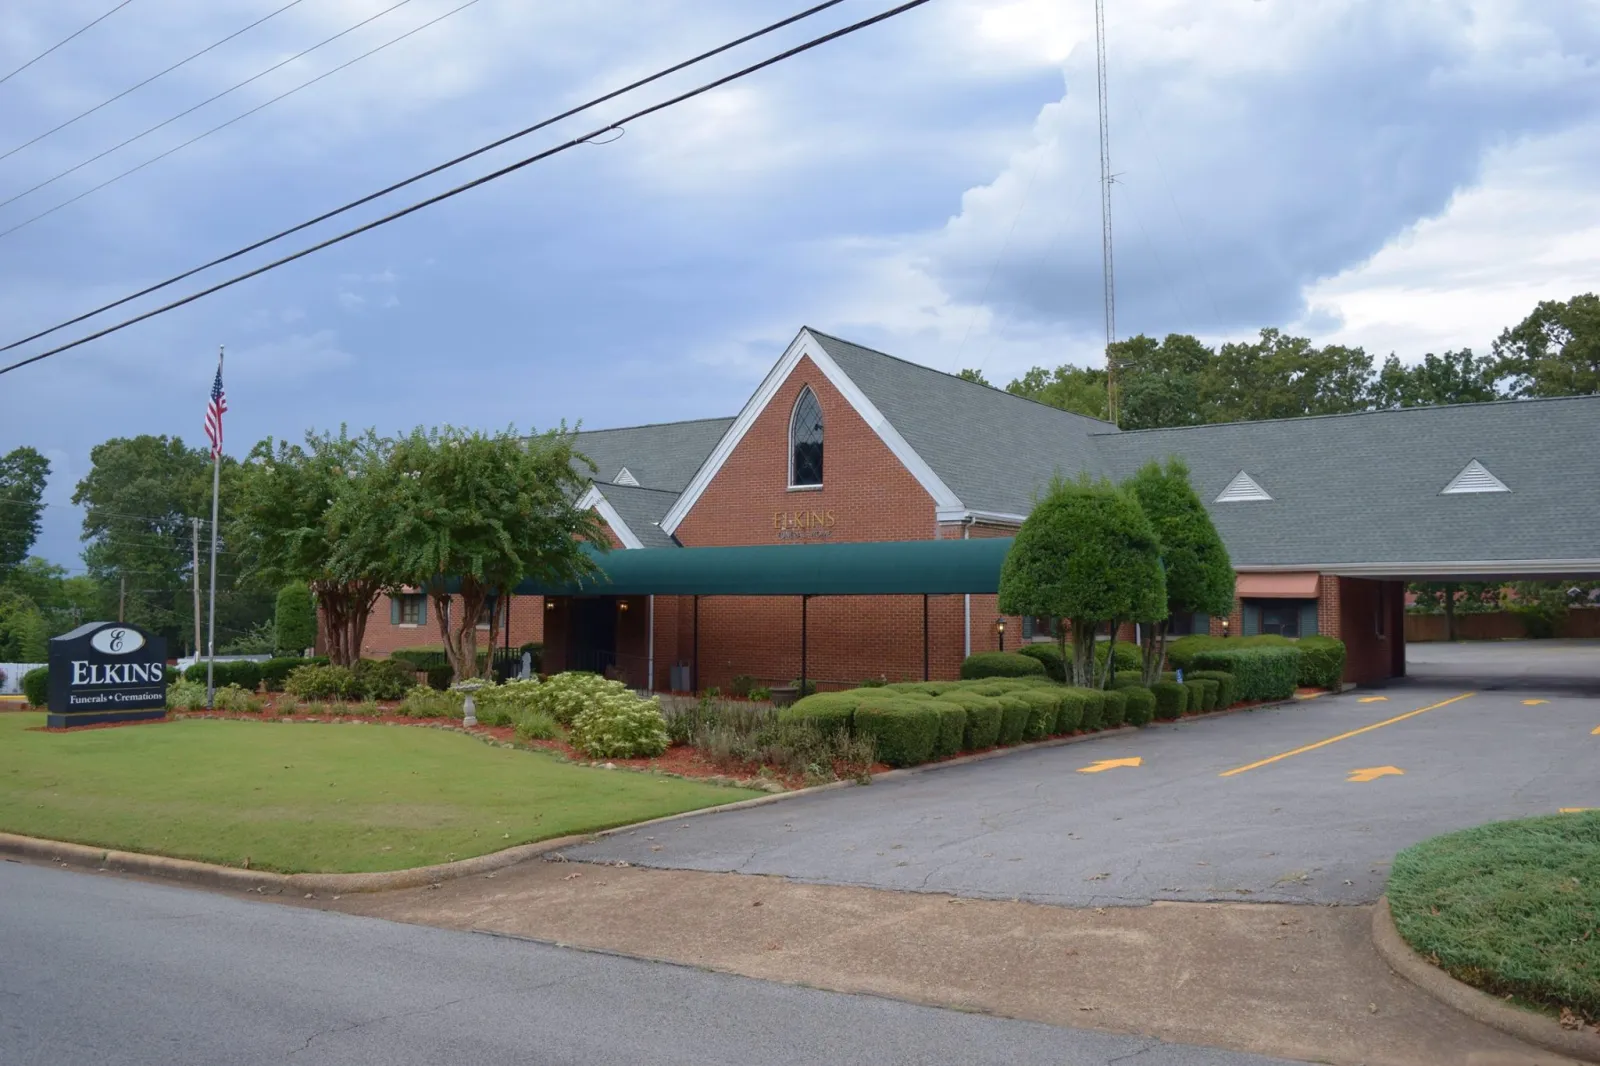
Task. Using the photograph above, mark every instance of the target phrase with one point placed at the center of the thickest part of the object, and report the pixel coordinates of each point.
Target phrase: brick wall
(1372, 626)
(383, 637)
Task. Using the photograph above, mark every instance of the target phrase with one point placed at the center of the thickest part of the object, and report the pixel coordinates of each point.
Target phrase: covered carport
(586, 616)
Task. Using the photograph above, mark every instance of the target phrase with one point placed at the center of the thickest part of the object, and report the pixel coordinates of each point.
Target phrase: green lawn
(300, 797)
(1511, 907)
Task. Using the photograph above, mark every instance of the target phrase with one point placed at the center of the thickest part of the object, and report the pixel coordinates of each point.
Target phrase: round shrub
(826, 712)
(983, 718)
(1094, 705)
(1141, 706)
(320, 683)
(1321, 662)
(1212, 688)
(275, 671)
(1126, 681)
(1044, 707)
(1171, 699)
(186, 696)
(245, 673)
(383, 679)
(1115, 708)
(1013, 719)
(567, 695)
(1195, 702)
(619, 725)
(235, 699)
(1070, 717)
(952, 729)
(1000, 664)
(36, 686)
(904, 731)
(1224, 682)
(440, 675)
(512, 698)
(1055, 667)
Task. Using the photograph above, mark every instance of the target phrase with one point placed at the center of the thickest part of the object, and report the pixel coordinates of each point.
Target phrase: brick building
(1325, 517)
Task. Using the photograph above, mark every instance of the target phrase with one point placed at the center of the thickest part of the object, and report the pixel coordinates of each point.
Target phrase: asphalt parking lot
(1302, 804)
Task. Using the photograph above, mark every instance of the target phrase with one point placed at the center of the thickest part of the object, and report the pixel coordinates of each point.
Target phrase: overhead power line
(147, 81)
(64, 40)
(217, 96)
(217, 128)
(325, 216)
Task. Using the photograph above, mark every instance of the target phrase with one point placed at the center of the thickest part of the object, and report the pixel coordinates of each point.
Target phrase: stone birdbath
(469, 709)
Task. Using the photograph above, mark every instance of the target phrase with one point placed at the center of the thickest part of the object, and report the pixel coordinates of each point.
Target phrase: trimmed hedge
(1044, 707)
(1196, 701)
(826, 712)
(245, 673)
(1141, 706)
(1213, 690)
(1127, 656)
(1094, 705)
(904, 730)
(1321, 662)
(1055, 667)
(983, 718)
(383, 679)
(1070, 719)
(1225, 686)
(952, 728)
(1013, 719)
(36, 686)
(1115, 709)
(1000, 664)
(1171, 699)
(275, 671)
(1126, 681)
(1260, 672)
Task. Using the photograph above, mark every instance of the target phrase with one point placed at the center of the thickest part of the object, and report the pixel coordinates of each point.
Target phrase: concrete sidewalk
(1292, 981)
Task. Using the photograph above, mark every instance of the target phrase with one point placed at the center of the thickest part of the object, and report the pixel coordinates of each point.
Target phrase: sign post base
(73, 719)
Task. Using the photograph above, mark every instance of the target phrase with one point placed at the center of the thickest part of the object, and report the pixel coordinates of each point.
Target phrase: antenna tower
(1105, 211)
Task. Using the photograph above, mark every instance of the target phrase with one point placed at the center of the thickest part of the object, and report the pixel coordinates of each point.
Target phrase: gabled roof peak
(1242, 489)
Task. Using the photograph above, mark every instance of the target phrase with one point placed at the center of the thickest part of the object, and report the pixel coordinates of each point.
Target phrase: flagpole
(211, 610)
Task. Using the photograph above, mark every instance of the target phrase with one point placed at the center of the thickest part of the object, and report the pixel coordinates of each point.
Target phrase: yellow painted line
(1372, 773)
(1533, 703)
(1595, 732)
(1575, 810)
(1347, 736)
(1373, 699)
(1110, 764)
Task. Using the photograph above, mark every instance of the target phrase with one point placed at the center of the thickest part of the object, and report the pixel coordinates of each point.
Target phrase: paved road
(100, 970)
(1179, 826)
(1533, 667)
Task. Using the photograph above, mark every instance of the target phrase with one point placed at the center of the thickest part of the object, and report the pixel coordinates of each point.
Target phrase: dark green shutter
(1027, 627)
(1200, 624)
(1252, 620)
(1308, 618)
(394, 610)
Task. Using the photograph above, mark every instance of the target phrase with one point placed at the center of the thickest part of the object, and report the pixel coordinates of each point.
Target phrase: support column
(694, 651)
(650, 650)
(925, 637)
(804, 603)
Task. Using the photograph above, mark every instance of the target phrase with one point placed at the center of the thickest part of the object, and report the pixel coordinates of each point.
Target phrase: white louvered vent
(1474, 477)
(625, 477)
(1242, 489)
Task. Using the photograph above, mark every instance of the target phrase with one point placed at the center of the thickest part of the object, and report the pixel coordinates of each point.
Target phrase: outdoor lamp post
(1000, 629)
(1224, 629)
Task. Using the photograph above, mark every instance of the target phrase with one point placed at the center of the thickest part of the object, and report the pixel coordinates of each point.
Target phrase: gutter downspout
(966, 529)
(650, 655)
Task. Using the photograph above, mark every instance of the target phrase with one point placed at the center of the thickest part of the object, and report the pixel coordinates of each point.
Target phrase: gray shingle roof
(1364, 488)
(996, 451)
(661, 456)
(642, 509)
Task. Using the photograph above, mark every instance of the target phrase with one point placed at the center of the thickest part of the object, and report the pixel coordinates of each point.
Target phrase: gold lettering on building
(804, 525)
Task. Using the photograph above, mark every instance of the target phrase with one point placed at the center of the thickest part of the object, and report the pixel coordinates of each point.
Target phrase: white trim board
(806, 346)
(596, 500)
(1438, 568)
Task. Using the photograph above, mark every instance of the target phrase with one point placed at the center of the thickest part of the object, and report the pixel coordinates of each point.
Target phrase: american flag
(214, 412)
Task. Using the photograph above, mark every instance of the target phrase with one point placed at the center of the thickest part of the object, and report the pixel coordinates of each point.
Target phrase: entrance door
(593, 634)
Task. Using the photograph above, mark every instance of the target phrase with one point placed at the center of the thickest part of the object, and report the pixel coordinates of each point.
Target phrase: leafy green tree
(1199, 573)
(1087, 556)
(975, 376)
(65, 602)
(1555, 351)
(1079, 389)
(296, 619)
(139, 498)
(24, 633)
(1278, 376)
(1454, 377)
(307, 514)
(481, 511)
(23, 473)
(1159, 384)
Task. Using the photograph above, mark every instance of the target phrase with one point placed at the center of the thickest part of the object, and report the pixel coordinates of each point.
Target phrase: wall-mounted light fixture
(549, 605)
(1000, 630)
(1224, 629)
(622, 605)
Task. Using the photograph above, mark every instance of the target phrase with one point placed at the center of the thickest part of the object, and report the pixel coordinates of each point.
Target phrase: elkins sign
(106, 672)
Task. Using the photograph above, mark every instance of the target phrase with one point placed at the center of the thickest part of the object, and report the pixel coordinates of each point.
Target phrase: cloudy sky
(1409, 175)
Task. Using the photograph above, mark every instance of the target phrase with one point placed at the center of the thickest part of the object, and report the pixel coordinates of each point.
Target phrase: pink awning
(1291, 586)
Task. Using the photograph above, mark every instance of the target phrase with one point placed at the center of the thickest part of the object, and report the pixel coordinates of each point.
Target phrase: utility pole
(122, 599)
(195, 571)
(1106, 179)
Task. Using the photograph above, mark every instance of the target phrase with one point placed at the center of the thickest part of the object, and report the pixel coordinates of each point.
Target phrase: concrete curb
(1536, 1029)
(232, 878)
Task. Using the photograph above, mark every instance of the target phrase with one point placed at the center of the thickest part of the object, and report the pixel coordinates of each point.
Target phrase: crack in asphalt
(337, 1029)
(1151, 1046)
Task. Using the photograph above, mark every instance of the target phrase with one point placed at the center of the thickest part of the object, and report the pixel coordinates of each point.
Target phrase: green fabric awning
(873, 568)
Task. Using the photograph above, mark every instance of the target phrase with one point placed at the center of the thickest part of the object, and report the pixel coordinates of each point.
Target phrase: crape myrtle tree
(297, 516)
(475, 513)
(1085, 556)
(23, 473)
(1199, 573)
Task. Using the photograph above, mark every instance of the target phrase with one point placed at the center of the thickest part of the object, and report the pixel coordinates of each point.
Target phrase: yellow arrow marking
(1373, 699)
(1347, 736)
(1533, 703)
(1595, 732)
(1110, 764)
(1575, 810)
(1372, 773)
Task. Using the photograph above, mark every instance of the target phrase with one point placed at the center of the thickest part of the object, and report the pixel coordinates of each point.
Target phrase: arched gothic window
(805, 441)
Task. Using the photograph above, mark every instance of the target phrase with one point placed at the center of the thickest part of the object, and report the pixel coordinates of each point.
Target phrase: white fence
(189, 660)
(14, 671)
